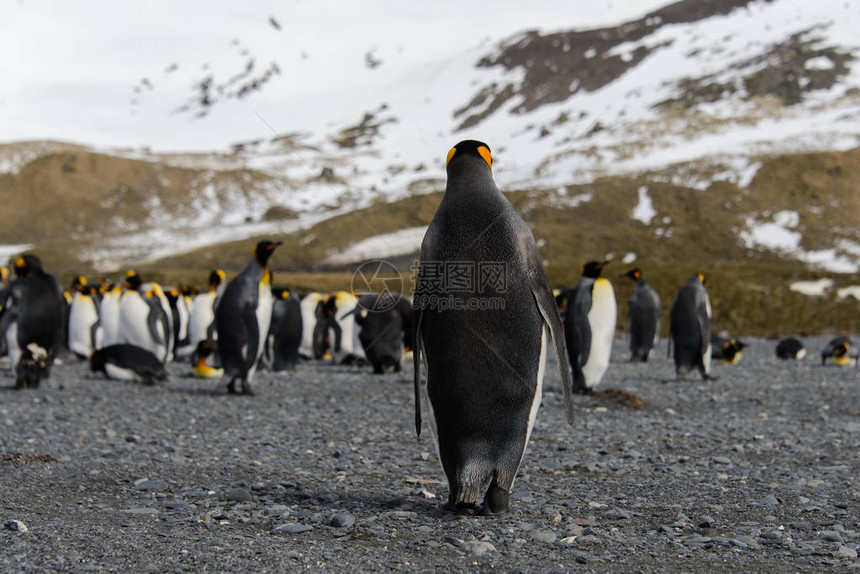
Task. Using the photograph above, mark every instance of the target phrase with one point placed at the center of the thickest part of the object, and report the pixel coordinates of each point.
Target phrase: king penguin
(483, 316)
(790, 348)
(109, 314)
(838, 352)
(311, 313)
(589, 327)
(643, 318)
(243, 317)
(201, 322)
(34, 335)
(84, 330)
(143, 321)
(690, 328)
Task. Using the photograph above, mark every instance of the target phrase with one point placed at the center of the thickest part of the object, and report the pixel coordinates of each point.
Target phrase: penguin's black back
(126, 356)
(40, 311)
(286, 330)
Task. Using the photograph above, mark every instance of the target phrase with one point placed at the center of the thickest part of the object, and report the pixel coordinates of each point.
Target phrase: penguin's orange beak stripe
(451, 153)
(485, 153)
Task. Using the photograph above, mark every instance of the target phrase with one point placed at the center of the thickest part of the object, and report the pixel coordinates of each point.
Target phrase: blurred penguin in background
(285, 332)
(838, 352)
(589, 327)
(34, 320)
(790, 348)
(643, 318)
(243, 317)
(201, 321)
(727, 349)
(84, 327)
(690, 328)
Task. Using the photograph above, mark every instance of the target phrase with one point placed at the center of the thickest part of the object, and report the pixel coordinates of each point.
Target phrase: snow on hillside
(370, 92)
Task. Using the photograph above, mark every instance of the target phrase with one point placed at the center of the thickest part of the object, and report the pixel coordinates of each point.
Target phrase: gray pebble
(722, 460)
(543, 536)
(290, 529)
(769, 500)
(240, 494)
(146, 485)
(479, 547)
(15, 526)
(342, 520)
(830, 536)
(705, 521)
(846, 552)
(617, 514)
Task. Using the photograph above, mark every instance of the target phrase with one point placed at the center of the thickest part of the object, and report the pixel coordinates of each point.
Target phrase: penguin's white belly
(201, 317)
(109, 316)
(706, 357)
(538, 388)
(12, 349)
(264, 316)
(121, 374)
(134, 324)
(309, 321)
(82, 316)
(601, 320)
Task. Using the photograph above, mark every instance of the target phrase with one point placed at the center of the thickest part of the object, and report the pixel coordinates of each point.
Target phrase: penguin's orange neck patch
(485, 153)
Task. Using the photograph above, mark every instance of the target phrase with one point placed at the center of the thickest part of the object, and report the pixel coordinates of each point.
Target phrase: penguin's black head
(280, 292)
(263, 251)
(25, 264)
(635, 274)
(592, 269)
(186, 290)
(132, 281)
(216, 278)
(469, 148)
(78, 283)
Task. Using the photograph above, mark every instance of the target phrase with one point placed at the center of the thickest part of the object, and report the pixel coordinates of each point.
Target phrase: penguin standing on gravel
(243, 318)
(311, 313)
(484, 363)
(109, 314)
(143, 322)
(690, 328)
(34, 333)
(589, 327)
(285, 332)
(201, 322)
(84, 330)
(643, 318)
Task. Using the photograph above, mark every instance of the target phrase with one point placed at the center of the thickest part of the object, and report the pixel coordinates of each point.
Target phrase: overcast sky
(75, 70)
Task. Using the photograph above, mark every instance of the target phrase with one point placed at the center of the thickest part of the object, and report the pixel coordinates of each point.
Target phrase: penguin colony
(481, 403)
(130, 328)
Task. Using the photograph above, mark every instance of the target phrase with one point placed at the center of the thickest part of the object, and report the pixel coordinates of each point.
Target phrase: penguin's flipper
(153, 320)
(418, 344)
(581, 307)
(546, 304)
(252, 330)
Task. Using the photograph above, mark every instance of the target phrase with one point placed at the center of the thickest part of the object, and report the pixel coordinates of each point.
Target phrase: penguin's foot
(462, 508)
(496, 501)
(246, 388)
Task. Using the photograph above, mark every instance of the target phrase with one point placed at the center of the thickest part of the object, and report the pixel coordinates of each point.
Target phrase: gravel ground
(321, 470)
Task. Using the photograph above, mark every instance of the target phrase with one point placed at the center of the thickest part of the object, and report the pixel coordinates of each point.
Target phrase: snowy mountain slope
(694, 92)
